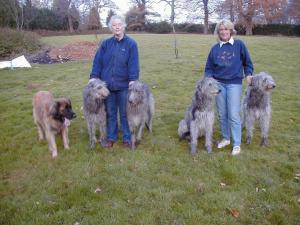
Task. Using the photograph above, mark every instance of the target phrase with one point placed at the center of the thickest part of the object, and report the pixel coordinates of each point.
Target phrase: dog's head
(136, 92)
(98, 89)
(263, 81)
(208, 86)
(62, 109)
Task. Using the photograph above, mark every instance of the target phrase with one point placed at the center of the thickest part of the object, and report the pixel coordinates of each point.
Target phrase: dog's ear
(54, 110)
(200, 85)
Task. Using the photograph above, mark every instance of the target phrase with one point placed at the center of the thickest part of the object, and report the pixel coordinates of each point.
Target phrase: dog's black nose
(274, 86)
(73, 115)
(219, 91)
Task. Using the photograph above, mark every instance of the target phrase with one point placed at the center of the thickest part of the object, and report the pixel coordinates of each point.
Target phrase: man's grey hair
(227, 24)
(116, 17)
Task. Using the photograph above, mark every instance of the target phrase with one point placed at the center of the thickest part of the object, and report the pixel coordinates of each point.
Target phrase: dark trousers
(117, 101)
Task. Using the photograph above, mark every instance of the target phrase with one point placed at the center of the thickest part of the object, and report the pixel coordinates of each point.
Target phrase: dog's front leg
(208, 139)
(103, 129)
(250, 119)
(52, 144)
(92, 132)
(264, 121)
(194, 131)
(65, 137)
(133, 138)
(139, 132)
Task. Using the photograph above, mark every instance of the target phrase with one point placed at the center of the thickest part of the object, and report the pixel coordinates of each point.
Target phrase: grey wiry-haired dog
(257, 105)
(199, 117)
(94, 109)
(140, 110)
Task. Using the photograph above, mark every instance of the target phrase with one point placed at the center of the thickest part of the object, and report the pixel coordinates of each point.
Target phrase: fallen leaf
(98, 190)
(234, 213)
(298, 200)
(222, 184)
(256, 189)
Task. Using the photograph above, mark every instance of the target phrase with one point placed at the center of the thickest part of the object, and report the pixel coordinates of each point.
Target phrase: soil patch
(83, 50)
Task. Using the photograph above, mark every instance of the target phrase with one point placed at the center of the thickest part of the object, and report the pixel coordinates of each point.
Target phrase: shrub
(14, 42)
(275, 29)
(48, 20)
(160, 28)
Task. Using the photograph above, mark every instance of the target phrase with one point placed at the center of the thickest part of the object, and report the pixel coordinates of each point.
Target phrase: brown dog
(52, 117)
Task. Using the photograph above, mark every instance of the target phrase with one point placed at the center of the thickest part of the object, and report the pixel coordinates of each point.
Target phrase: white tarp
(21, 61)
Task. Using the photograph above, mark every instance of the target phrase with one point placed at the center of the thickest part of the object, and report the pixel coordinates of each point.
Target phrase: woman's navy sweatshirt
(229, 63)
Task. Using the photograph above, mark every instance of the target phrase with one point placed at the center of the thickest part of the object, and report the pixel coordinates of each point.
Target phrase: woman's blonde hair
(227, 24)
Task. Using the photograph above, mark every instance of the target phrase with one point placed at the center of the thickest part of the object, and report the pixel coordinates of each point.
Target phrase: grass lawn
(160, 183)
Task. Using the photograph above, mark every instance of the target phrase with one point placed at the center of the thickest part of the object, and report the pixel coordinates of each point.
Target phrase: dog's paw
(54, 155)
(264, 142)
(248, 140)
(209, 150)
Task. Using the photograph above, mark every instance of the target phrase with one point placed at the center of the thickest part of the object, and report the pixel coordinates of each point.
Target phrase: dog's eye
(99, 87)
(210, 84)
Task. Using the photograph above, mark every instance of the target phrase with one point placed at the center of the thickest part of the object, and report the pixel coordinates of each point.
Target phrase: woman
(117, 63)
(229, 62)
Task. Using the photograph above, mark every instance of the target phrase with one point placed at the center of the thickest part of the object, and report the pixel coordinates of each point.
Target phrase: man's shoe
(236, 150)
(107, 144)
(223, 143)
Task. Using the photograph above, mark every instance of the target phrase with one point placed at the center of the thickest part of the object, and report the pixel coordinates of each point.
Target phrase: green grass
(160, 183)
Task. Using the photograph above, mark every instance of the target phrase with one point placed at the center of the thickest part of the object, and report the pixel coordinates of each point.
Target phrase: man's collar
(124, 37)
(231, 41)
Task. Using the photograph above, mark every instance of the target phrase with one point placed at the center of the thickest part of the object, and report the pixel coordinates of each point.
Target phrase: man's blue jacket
(116, 62)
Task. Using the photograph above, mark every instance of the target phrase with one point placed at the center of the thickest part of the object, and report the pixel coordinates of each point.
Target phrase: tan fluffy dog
(52, 118)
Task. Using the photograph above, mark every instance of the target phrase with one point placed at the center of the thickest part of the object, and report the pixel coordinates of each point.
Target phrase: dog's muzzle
(73, 115)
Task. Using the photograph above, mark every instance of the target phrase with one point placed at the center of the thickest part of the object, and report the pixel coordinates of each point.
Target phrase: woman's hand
(249, 79)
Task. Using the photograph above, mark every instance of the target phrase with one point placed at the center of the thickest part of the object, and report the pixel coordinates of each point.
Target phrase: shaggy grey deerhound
(199, 117)
(94, 109)
(257, 105)
(140, 110)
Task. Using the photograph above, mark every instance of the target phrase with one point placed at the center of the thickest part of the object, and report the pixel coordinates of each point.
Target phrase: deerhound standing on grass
(199, 117)
(257, 105)
(140, 110)
(94, 109)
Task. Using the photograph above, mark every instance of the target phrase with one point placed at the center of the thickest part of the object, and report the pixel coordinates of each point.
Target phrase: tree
(226, 9)
(6, 15)
(135, 19)
(174, 6)
(294, 11)
(99, 5)
(136, 16)
(109, 15)
(94, 20)
(274, 10)
(202, 9)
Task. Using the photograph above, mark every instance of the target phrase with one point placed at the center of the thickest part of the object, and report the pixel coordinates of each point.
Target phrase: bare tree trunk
(205, 4)
(172, 18)
(71, 29)
(249, 25)
(231, 12)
